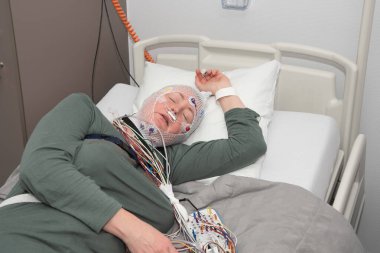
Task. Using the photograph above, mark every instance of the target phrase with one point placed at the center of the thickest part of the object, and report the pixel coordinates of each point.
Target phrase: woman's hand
(139, 236)
(147, 239)
(212, 80)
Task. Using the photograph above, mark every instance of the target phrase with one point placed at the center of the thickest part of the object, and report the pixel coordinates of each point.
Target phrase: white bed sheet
(302, 150)
(302, 147)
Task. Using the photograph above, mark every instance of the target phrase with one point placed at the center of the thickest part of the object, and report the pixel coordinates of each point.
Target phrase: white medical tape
(225, 92)
(22, 198)
(168, 190)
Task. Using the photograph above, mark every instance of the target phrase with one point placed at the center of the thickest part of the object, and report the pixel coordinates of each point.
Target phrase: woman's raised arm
(213, 81)
(245, 143)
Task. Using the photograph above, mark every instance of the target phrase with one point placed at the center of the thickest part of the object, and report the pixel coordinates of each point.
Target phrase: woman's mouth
(164, 119)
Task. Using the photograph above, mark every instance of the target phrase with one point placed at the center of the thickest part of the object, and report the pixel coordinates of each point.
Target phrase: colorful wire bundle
(221, 229)
(148, 158)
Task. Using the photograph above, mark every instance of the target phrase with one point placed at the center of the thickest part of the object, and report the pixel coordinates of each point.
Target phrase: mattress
(302, 147)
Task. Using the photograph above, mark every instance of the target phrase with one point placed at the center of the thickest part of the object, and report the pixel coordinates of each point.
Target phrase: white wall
(369, 231)
(332, 25)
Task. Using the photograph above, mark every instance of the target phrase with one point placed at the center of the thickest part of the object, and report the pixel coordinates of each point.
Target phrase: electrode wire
(147, 157)
(96, 50)
(115, 43)
(143, 156)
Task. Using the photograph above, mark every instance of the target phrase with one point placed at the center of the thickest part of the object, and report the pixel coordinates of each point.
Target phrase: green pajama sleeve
(245, 144)
(47, 169)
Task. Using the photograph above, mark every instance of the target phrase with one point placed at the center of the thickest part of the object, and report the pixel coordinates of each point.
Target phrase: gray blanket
(273, 217)
(267, 216)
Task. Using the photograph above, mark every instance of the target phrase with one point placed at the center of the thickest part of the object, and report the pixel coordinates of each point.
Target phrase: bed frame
(300, 88)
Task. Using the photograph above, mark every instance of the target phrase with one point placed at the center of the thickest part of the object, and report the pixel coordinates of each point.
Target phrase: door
(12, 123)
(59, 54)
(51, 49)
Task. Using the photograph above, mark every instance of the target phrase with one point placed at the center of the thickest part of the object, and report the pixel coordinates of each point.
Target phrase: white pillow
(255, 86)
(118, 101)
(157, 76)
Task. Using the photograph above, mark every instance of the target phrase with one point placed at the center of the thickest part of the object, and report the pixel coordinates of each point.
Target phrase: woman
(94, 195)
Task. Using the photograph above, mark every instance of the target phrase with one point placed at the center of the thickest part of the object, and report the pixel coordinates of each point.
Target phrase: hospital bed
(313, 141)
(300, 89)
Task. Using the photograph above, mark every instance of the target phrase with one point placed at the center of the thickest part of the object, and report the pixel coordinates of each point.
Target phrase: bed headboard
(300, 88)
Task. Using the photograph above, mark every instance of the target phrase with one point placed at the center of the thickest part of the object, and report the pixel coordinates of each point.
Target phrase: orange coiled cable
(128, 26)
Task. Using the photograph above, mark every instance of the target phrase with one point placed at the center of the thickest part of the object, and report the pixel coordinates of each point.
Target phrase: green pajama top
(90, 180)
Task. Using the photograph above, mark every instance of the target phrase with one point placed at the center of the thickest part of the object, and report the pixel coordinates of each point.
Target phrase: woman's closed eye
(187, 112)
(188, 115)
(172, 100)
(175, 97)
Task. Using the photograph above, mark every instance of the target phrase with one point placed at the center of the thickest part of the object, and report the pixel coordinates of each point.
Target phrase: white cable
(166, 157)
(148, 154)
(168, 190)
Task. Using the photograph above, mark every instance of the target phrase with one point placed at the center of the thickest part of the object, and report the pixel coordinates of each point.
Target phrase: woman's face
(173, 113)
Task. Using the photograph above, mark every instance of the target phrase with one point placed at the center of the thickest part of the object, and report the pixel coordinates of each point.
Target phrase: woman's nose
(180, 106)
(175, 109)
